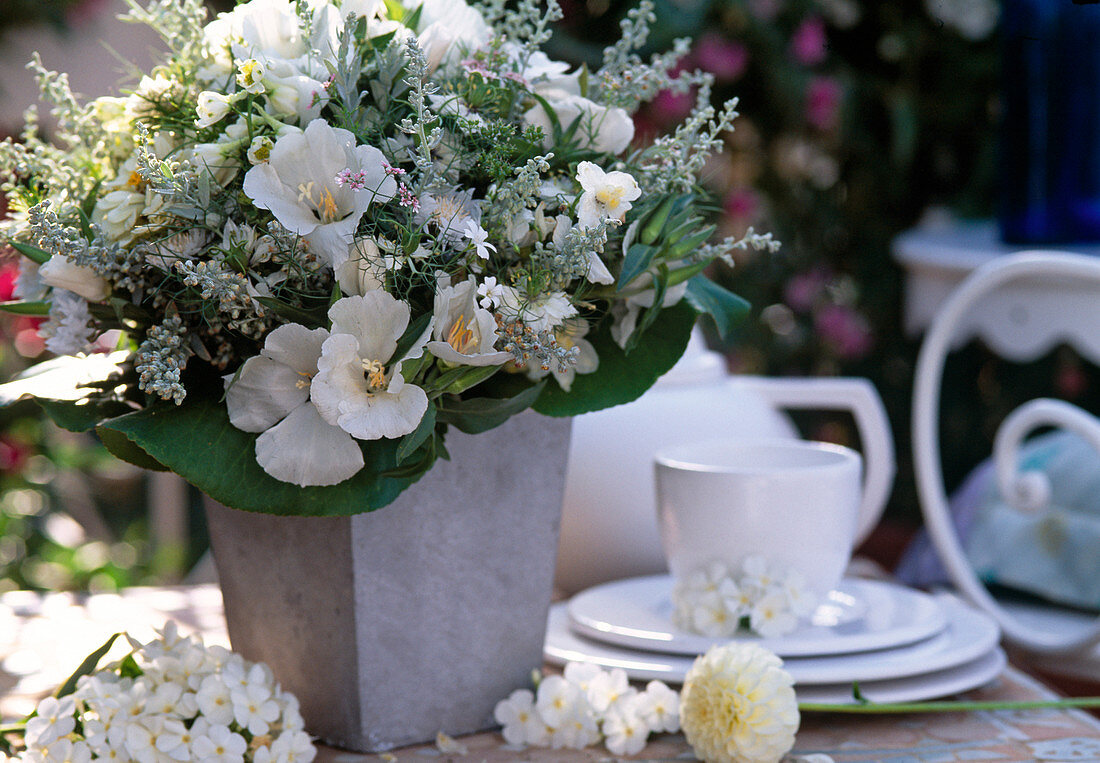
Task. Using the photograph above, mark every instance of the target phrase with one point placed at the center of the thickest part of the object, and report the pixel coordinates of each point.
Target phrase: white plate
(637, 613)
(969, 635)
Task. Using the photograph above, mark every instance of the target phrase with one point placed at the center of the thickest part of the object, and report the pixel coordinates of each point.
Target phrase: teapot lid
(698, 364)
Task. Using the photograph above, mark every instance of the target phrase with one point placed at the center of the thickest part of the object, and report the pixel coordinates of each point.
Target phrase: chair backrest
(1022, 306)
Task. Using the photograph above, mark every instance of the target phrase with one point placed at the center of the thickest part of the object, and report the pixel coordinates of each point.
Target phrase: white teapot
(609, 516)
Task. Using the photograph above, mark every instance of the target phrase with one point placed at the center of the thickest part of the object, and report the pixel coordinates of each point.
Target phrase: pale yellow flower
(738, 706)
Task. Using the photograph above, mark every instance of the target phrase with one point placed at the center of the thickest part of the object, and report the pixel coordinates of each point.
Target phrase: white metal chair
(1022, 306)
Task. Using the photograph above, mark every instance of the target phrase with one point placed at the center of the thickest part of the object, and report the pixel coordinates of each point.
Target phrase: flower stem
(945, 707)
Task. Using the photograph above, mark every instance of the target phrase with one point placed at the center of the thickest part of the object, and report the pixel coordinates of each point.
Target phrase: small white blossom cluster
(586, 704)
(715, 601)
(173, 699)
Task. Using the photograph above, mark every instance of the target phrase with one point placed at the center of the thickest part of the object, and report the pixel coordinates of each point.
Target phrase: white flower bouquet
(324, 232)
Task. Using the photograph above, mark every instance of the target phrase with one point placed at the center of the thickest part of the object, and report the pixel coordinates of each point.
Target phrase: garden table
(44, 636)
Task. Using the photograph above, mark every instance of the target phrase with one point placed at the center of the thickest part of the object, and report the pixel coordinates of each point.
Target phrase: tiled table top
(42, 638)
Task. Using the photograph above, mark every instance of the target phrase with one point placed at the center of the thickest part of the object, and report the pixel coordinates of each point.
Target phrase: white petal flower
(271, 394)
(601, 129)
(464, 333)
(359, 386)
(293, 746)
(298, 184)
(68, 330)
(215, 701)
(450, 29)
(659, 707)
(606, 194)
(211, 108)
(521, 721)
(250, 76)
(490, 292)
(738, 705)
(625, 731)
(62, 273)
(772, 616)
(54, 718)
(220, 745)
(607, 688)
(558, 701)
(540, 313)
(364, 270)
(479, 237)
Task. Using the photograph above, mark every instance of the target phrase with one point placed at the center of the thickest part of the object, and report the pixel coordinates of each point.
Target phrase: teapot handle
(859, 397)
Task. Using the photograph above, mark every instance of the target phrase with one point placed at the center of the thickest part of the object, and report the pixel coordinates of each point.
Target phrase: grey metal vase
(393, 625)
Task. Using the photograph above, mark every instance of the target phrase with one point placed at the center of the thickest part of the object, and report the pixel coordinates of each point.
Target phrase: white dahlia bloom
(738, 705)
(298, 184)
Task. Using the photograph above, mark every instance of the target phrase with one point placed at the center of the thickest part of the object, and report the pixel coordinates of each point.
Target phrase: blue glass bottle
(1050, 132)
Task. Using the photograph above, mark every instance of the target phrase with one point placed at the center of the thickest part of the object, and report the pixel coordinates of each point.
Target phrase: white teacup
(793, 502)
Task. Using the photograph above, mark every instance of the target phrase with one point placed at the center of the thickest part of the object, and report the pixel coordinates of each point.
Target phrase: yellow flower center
(324, 205)
(305, 381)
(610, 197)
(375, 374)
(135, 180)
(460, 337)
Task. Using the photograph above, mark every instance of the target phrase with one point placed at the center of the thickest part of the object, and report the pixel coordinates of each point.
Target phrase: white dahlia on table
(328, 232)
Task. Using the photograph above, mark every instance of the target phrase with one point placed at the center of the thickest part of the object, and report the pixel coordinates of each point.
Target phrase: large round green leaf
(196, 441)
(622, 377)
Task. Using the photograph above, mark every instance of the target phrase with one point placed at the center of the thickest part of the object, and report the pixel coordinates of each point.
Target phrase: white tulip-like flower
(298, 184)
(250, 76)
(606, 194)
(62, 273)
(464, 333)
(271, 395)
(540, 313)
(450, 29)
(211, 108)
(738, 705)
(601, 128)
(364, 270)
(359, 386)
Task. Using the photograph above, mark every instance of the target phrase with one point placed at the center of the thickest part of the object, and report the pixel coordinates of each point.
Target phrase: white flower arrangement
(583, 706)
(738, 705)
(330, 231)
(172, 699)
(715, 601)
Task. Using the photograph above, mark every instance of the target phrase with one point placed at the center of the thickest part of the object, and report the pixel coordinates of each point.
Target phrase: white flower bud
(211, 109)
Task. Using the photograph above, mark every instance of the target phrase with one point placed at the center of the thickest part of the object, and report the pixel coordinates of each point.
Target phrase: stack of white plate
(899, 644)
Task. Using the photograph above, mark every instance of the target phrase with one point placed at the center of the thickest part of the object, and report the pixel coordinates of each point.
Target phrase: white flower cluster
(715, 601)
(586, 704)
(187, 702)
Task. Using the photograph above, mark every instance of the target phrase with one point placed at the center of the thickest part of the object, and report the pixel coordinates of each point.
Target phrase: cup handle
(859, 397)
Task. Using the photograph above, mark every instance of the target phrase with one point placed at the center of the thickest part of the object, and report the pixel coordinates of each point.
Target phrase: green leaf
(18, 307)
(690, 243)
(289, 312)
(81, 415)
(726, 308)
(637, 261)
(123, 448)
(128, 667)
(41, 256)
(414, 439)
(63, 378)
(413, 333)
(480, 414)
(86, 225)
(458, 380)
(621, 378)
(660, 286)
(197, 442)
(86, 668)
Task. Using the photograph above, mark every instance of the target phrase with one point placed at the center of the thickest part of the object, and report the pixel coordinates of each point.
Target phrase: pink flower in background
(9, 271)
(741, 204)
(804, 290)
(725, 59)
(846, 330)
(808, 43)
(823, 98)
(672, 107)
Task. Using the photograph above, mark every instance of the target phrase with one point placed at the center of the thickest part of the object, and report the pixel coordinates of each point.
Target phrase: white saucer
(637, 613)
(969, 635)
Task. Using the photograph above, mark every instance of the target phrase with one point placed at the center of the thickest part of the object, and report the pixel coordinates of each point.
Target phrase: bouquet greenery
(324, 232)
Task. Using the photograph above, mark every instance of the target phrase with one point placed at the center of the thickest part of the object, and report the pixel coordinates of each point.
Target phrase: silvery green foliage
(161, 358)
